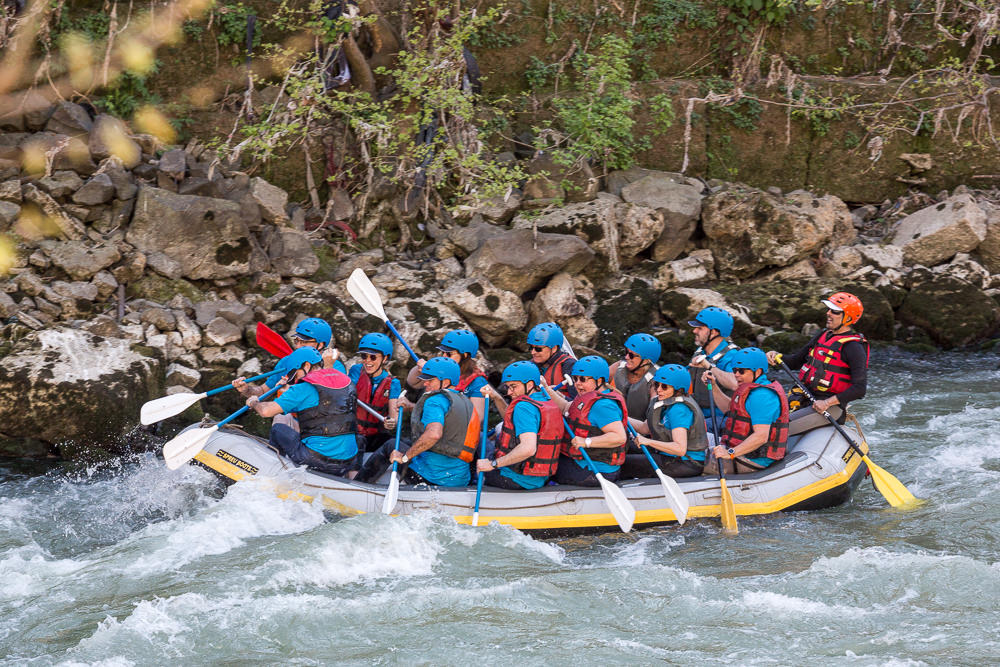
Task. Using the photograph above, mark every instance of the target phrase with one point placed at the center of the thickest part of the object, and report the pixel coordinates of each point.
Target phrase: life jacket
(378, 398)
(698, 389)
(334, 415)
(826, 371)
(578, 419)
(544, 461)
(636, 394)
(697, 440)
(738, 425)
(464, 383)
(553, 372)
(461, 426)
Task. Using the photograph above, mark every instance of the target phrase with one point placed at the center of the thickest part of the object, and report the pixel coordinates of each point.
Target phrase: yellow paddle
(891, 488)
(729, 526)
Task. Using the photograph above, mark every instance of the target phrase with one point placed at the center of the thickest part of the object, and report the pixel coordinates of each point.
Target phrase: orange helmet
(849, 304)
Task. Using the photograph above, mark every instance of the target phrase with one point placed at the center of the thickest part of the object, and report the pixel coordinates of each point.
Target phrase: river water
(138, 565)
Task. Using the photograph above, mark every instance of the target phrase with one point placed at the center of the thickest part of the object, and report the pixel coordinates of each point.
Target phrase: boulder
(698, 267)
(520, 260)
(937, 233)
(66, 225)
(61, 184)
(229, 356)
(125, 187)
(750, 230)
(800, 270)
(291, 253)
(468, 239)
(131, 268)
(627, 307)
(238, 313)
(191, 335)
(367, 260)
(549, 180)
(105, 284)
(165, 265)
(952, 311)
(181, 375)
(271, 199)
(676, 200)
(109, 137)
(421, 321)
(11, 191)
(98, 190)
(58, 150)
(74, 386)
(7, 305)
(989, 249)
(882, 257)
(172, 166)
(494, 313)
(568, 301)
(205, 236)
(843, 261)
(104, 326)
(965, 268)
(161, 318)
(76, 290)
(69, 119)
(680, 305)
(79, 261)
(9, 213)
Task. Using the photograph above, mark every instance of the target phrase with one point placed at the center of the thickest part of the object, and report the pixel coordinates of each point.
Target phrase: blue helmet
(750, 357)
(316, 329)
(644, 345)
(522, 371)
(547, 334)
(460, 340)
(674, 375)
(592, 367)
(377, 342)
(301, 356)
(441, 368)
(716, 318)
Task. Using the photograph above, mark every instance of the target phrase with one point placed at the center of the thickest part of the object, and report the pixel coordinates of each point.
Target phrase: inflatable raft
(820, 470)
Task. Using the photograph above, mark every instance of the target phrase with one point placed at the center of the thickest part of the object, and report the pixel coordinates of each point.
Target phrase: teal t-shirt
(395, 389)
(764, 407)
(527, 419)
(679, 415)
(437, 468)
(303, 396)
(604, 411)
(472, 391)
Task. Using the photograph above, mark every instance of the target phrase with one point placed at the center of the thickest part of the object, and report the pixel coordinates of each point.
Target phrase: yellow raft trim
(550, 522)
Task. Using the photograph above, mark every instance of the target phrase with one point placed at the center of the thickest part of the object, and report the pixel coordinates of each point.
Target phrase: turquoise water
(139, 565)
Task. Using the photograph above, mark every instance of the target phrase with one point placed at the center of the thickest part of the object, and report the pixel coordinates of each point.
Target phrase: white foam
(28, 570)
(784, 605)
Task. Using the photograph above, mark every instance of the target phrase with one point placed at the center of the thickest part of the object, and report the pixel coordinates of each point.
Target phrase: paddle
(183, 447)
(619, 505)
(676, 499)
(392, 493)
(364, 292)
(168, 406)
(891, 488)
(482, 455)
(728, 512)
(272, 341)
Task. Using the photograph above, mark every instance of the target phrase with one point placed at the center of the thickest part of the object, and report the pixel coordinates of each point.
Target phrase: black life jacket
(579, 421)
(461, 426)
(378, 398)
(826, 371)
(545, 460)
(738, 424)
(697, 440)
(698, 389)
(636, 393)
(337, 402)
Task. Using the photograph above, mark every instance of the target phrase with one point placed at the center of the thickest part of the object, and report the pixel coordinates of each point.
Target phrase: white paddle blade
(168, 406)
(364, 292)
(619, 505)
(185, 446)
(475, 518)
(391, 494)
(676, 499)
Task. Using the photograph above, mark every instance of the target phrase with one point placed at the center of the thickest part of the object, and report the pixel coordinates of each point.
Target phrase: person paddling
(755, 430)
(597, 416)
(545, 342)
(311, 332)
(527, 453)
(445, 426)
(629, 376)
(323, 401)
(459, 345)
(674, 427)
(377, 388)
(834, 364)
(712, 328)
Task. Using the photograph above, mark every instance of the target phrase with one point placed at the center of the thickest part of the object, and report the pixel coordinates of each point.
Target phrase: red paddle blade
(271, 340)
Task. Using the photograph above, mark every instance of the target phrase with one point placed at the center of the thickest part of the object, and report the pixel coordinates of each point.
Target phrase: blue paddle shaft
(649, 457)
(245, 408)
(482, 452)
(400, 339)
(586, 456)
(227, 387)
(399, 428)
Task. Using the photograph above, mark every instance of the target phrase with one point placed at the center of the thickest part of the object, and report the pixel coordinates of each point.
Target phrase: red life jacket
(544, 461)
(378, 398)
(553, 373)
(738, 425)
(464, 383)
(578, 419)
(826, 371)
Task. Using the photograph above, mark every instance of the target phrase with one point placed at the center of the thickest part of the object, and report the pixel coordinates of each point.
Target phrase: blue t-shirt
(527, 419)
(764, 407)
(604, 411)
(679, 415)
(472, 391)
(282, 365)
(394, 387)
(726, 364)
(303, 396)
(437, 468)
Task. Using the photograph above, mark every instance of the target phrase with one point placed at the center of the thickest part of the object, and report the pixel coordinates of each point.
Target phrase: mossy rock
(328, 263)
(24, 448)
(878, 321)
(623, 312)
(346, 330)
(952, 312)
(780, 305)
(784, 341)
(676, 346)
(157, 288)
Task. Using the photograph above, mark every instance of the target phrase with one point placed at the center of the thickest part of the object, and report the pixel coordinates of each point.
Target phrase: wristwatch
(586, 442)
(405, 459)
(732, 452)
(495, 464)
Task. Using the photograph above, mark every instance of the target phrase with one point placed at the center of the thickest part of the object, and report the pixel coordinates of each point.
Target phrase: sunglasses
(369, 356)
(537, 348)
(631, 355)
(739, 371)
(581, 378)
(661, 385)
(304, 339)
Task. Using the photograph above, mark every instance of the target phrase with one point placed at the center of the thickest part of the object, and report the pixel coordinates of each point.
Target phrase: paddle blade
(185, 446)
(364, 292)
(676, 499)
(271, 340)
(890, 487)
(619, 505)
(728, 511)
(167, 406)
(391, 494)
